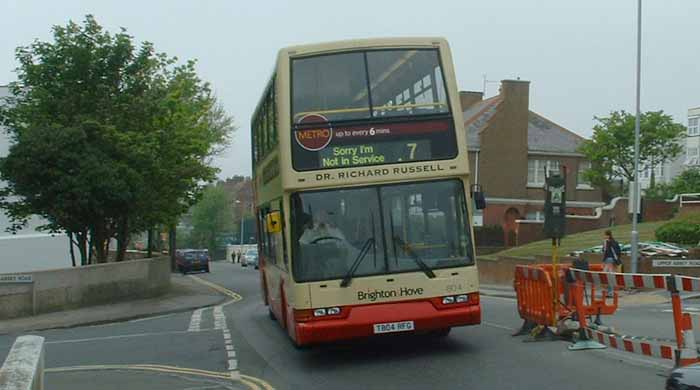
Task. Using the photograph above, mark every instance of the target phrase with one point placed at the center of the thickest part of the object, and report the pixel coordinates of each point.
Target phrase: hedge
(683, 230)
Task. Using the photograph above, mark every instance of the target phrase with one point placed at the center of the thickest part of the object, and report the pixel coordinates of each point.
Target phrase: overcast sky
(578, 55)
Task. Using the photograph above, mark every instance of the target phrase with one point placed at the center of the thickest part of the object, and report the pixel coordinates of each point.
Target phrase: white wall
(28, 250)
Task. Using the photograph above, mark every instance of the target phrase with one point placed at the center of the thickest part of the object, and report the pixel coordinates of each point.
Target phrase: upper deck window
(362, 85)
(370, 108)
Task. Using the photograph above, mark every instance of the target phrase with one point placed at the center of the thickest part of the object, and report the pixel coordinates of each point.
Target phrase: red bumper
(361, 319)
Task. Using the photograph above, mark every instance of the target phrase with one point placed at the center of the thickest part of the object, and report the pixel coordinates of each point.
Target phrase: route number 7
(412, 150)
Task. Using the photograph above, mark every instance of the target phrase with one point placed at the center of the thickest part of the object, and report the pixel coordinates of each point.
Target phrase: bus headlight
(320, 312)
(332, 311)
(448, 300)
(462, 298)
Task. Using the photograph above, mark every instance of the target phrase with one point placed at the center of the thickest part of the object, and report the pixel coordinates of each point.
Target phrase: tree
(107, 139)
(211, 217)
(688, 182)
(611, 149)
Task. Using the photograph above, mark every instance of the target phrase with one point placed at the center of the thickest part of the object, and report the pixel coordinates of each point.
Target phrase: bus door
(275, 271)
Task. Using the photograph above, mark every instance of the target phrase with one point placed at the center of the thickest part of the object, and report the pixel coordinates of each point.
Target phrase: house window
(692, 156)
(694, 126)
(659, 172)
(536, 169)
(581, 181)
(535, 216)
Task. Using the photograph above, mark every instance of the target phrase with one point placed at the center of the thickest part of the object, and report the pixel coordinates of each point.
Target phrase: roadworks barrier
(572, 307)
(24, 366)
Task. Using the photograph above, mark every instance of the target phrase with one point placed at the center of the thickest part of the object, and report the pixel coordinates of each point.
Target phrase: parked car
(646, 248)
(188, 260)
(684, 378)
(250, 257)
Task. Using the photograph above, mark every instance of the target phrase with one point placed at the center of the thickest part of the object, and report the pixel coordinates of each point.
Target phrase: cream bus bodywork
(276, 179)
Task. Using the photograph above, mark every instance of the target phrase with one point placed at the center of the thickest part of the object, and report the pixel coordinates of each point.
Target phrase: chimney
(469, 98)
(516, 90)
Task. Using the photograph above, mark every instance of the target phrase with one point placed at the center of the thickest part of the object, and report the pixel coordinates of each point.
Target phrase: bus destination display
(320, 145)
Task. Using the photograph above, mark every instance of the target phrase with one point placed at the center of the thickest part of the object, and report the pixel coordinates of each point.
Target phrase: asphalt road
(191, 351)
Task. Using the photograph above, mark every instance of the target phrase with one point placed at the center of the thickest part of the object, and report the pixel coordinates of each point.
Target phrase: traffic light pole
(555, 279)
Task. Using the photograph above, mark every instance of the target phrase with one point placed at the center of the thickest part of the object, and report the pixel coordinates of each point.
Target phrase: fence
(538, 302)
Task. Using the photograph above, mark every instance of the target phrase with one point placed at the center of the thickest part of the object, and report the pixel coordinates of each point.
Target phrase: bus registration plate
(390, 327)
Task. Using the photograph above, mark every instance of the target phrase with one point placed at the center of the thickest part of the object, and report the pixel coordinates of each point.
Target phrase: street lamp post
(634, 251)
(241, 241)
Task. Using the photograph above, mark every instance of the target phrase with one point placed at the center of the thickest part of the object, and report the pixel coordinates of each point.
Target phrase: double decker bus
(362, 193)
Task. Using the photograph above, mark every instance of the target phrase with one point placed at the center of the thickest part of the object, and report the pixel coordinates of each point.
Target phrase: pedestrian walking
(611, 257)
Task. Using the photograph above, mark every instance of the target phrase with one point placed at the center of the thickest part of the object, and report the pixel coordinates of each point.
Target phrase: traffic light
(555, 206)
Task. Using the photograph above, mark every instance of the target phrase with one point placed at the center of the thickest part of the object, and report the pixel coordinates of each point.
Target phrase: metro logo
(316, 139)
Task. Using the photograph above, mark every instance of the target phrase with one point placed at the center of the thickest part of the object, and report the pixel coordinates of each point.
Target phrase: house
(692, 140)
(510, 148)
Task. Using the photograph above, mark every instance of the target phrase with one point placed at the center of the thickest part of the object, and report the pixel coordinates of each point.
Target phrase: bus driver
(321, 229)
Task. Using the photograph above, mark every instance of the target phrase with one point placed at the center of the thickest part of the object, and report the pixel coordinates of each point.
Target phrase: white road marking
(125, 336)
(229, 347)
(232, 364)
(231, 354)
(685, 310)
(493, 325)
(195, 321)
(498, 298)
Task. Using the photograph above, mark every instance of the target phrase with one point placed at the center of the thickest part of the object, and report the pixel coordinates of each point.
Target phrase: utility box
(555, 206)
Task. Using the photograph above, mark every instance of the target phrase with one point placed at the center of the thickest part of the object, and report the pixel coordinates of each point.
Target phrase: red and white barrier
(632, 345)
(622, 280)
(685, 352)
(687, 283)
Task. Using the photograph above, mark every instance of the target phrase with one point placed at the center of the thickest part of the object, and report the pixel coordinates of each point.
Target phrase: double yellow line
(251, 382)
(234, 297)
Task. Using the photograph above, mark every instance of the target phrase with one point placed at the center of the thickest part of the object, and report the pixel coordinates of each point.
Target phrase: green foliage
(108, 138)
(688, 182)
(211, 216)
(611, 149)
(659, 192)
(683, 230)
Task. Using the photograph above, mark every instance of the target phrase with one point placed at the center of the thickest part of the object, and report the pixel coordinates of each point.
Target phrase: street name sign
(16, 279)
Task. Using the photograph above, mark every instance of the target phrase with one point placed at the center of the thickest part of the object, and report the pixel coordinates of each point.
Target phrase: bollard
(688, 352)
(24, 367)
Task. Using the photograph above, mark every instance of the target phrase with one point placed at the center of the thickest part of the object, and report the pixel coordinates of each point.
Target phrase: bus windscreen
(428, 220)
(370, 108)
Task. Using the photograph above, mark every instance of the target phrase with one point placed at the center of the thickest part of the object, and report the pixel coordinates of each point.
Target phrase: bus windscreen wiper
(407, 248)
(358, 260)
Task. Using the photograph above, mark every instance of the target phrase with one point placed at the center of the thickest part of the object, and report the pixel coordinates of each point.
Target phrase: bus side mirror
(478, 196)
(274, 222)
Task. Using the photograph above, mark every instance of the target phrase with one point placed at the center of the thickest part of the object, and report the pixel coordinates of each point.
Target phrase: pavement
(235, 345)
(185, 294)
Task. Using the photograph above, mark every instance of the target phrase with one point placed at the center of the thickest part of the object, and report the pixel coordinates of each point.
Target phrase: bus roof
(349, 44)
